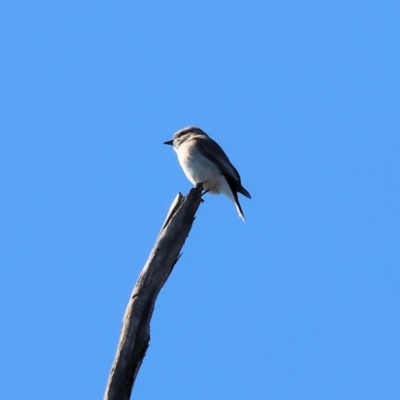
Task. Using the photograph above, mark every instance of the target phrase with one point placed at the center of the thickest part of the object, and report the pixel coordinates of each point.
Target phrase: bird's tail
(242, 190)
(231, 191)
(235, 199)
(239, 210)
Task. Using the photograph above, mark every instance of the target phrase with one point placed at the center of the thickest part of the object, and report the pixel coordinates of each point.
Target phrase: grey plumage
(204, 161)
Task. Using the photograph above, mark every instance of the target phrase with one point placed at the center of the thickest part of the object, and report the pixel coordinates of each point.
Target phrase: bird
(204, 162)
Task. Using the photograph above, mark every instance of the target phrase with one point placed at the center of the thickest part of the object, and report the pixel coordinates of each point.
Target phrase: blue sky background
(302, 300)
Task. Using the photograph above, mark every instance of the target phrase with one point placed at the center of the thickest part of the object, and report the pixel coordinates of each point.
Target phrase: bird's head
(184, 134)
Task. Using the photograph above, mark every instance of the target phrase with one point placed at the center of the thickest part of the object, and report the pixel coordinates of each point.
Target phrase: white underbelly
(199, 169)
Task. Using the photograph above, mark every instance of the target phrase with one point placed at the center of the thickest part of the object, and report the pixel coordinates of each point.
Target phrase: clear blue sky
(301, 301)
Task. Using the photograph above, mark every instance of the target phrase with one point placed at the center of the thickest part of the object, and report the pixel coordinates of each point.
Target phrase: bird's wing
(213, 151)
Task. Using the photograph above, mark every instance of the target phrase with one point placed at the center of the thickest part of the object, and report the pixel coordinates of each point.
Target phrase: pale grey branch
(135, 332)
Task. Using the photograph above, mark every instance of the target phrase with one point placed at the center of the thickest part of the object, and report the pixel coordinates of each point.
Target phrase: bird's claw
(201, 185)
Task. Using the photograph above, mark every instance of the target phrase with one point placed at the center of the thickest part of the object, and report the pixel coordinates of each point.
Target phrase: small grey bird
(203, 161)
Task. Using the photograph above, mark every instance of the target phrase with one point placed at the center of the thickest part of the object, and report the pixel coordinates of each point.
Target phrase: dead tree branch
(135, 332)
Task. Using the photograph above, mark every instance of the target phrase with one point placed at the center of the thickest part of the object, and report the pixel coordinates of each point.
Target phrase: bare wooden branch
(135, 332)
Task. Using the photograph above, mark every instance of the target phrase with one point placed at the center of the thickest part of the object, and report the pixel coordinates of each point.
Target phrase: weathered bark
(135, 333)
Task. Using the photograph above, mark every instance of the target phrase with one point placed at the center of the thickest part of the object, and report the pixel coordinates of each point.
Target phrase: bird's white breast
(199, 169)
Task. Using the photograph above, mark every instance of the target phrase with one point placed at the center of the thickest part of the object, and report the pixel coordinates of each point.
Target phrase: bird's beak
(170, 142)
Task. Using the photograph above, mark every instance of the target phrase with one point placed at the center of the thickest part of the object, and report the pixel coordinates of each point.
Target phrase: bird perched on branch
(204, 162)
